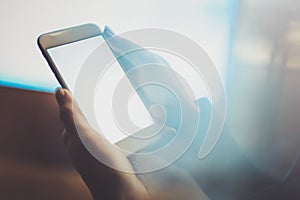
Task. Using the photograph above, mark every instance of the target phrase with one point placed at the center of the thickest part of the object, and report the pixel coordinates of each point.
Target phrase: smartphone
(65, 51)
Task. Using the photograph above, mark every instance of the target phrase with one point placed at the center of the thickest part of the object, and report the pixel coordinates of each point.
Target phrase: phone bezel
(78, 33)
(63, 37)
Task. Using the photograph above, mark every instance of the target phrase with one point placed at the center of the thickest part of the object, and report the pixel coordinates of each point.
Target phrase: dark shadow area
(34, 163)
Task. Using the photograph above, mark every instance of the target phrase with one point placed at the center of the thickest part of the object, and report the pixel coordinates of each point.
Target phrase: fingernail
(58, 88)
(60, 95)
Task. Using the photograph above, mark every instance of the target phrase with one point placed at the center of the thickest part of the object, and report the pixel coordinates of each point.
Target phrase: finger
(65, 103)
(132, 56)
(129, 54)
(75, 123)
(70, 113)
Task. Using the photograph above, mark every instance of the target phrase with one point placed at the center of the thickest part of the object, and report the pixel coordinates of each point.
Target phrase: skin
(170, 183)
(103, 182)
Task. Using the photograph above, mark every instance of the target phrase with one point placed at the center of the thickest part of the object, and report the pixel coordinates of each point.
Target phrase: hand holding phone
(66, 51)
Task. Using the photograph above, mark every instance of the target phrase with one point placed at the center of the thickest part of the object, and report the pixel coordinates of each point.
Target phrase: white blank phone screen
(70, 58)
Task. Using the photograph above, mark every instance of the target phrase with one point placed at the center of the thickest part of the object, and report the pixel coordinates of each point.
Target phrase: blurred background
(255, 46)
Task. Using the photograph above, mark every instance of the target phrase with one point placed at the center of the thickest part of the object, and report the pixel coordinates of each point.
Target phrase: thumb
(129, 54)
